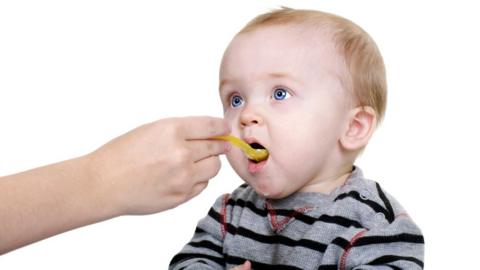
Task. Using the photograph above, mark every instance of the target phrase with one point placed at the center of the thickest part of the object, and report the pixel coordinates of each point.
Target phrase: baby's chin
(269, 191)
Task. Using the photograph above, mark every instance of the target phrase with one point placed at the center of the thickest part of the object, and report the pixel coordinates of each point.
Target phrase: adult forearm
(49, 200)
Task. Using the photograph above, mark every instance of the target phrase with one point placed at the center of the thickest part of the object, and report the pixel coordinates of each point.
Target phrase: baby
(310, 87)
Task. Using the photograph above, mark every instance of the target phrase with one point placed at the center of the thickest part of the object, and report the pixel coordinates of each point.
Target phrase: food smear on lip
(257, 155)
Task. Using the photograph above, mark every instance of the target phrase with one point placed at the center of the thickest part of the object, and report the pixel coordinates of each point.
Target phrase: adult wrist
(99, 188)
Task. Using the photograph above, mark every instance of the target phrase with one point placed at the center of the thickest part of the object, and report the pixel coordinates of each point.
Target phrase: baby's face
(282, 88)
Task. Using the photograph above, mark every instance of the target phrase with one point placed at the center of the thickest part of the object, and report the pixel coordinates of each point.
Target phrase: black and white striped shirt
(358, 226)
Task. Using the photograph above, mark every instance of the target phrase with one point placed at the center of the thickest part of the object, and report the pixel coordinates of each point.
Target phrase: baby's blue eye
(236, 101)
(280, 94)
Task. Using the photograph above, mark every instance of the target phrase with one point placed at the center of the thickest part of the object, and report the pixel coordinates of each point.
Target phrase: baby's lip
(251, 140)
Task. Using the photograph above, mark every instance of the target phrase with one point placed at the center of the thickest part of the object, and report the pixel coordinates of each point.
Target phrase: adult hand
(159, 165)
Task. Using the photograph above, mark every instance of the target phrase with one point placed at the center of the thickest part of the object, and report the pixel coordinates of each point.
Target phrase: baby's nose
(250, 117)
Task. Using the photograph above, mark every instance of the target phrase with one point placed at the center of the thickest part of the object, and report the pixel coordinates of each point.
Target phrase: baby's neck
(329, 183)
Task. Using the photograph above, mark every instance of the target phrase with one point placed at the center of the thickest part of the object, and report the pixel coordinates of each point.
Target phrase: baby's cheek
(234, 157)
(290, 170)
(230, 158)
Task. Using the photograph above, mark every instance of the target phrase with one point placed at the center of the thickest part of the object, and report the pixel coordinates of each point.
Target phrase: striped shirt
(357, 226)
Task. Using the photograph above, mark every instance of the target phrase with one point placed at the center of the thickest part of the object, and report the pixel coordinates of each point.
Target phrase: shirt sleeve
(205, 250)
(398, 245)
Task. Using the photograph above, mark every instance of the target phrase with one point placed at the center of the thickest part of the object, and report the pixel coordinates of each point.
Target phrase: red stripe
(403, 214)
(223, 215)
(343, 259)
(276, 225)
(273, 216)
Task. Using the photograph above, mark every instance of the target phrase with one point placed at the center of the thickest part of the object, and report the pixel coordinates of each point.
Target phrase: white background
(74, 74)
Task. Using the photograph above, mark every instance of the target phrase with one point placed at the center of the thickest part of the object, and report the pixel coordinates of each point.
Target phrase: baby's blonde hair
(362, 56)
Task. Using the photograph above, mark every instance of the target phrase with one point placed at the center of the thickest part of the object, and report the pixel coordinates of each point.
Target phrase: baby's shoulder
(369, 203)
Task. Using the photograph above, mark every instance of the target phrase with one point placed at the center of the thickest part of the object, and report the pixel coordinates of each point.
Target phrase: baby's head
(308, 86)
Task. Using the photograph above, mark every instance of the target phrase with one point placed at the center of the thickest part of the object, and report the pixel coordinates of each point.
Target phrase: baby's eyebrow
(275, 75)
(270, 75)
(227, 81)
(278, 75)
(223, 82)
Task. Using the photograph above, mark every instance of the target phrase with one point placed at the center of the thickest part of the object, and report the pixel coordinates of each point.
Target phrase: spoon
(252, 153)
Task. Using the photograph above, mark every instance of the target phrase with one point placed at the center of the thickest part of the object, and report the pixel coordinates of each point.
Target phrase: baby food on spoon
(254, 154)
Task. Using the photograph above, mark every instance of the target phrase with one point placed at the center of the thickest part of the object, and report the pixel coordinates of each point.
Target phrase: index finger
(201, 149)
(203, 127)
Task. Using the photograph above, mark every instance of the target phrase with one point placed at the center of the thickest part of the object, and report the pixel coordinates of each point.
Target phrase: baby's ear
(361, 123)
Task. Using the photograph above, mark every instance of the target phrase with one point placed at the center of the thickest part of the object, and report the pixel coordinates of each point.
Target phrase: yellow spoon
(252, 153)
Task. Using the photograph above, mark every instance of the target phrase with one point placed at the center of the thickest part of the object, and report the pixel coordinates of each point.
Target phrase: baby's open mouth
(257, 146)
